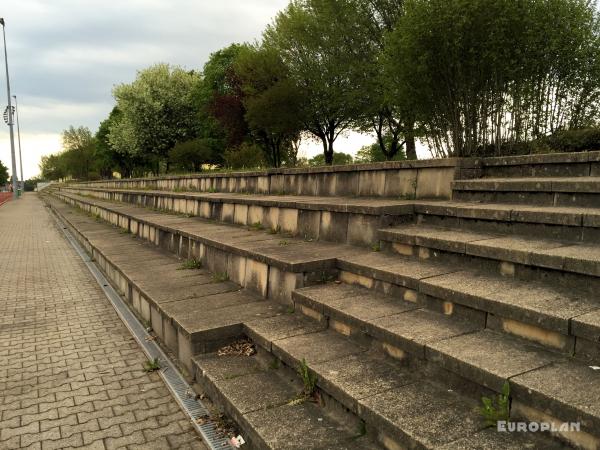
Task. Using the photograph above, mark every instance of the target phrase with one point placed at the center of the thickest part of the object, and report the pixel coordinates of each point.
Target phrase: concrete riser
(427, 179)
(406, 352)
(330, 405)
(184, 346)
(552, 339)
(579, 166)
(506, 265)
(341, 227)
(267, 280)
(584, 200)
(522, 228)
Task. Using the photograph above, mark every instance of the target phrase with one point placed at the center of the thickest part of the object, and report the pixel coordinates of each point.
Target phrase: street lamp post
(10, 117)
(19, 139)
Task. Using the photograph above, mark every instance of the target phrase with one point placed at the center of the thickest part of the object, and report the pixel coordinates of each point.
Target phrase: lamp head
(1, 21)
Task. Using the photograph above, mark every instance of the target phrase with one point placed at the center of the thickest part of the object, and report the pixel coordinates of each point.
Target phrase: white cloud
(65, 56)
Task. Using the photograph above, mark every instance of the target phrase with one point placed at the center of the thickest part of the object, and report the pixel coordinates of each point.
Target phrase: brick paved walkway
(70, 373)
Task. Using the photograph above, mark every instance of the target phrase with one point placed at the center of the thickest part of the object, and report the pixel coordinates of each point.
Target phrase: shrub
(245, 156)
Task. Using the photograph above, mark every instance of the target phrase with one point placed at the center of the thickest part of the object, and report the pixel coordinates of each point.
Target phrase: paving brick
(71, 372)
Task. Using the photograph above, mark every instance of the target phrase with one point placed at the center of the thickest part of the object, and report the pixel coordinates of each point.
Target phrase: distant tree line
(466, 77)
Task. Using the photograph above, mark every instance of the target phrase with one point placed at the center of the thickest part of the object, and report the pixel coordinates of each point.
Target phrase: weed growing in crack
(494, 410)
(191, 264)
(220, 277)
(152, 365)
(309, 380)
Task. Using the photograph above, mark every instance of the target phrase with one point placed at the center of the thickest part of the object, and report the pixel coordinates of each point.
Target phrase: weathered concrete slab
(532, 302)
(299, 427)
(392, 269)
(359, 376)
(568, 389)
(587, 326)
(491, 439)
(488, 357)
(414, 330)
(280, 326)
(314, 347)
(351, 302)
(422, 415)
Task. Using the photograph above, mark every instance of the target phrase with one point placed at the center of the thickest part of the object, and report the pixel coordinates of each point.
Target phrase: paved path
(70, 373)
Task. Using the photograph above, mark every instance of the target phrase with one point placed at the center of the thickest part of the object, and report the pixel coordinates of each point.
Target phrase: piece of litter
(243, 347)
(202, 420)
(320, 419)
(237, 441)
(338, 282)
(595, 367)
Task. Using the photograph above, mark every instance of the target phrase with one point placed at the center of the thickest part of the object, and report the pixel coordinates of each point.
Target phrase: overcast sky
(66, 55)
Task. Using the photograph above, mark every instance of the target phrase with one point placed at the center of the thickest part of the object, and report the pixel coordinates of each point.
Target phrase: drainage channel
(180, 389)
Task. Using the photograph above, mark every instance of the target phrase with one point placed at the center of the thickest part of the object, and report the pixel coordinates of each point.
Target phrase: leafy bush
(245, 156)
(339, 159)
(190, 155)
(574, 140)
(372, 153)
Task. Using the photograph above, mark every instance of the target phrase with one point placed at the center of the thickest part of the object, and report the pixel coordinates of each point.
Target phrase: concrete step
(577, 224)
(503, 251)
(189, 321)
(274, 271)
(406, 179)
(567, 223)
(373, 388)
(481, 356)
(547, 191)
(579, 164)
(399, 404)
(257, 395)
(335, 219)
(248, 256)
(542, 312)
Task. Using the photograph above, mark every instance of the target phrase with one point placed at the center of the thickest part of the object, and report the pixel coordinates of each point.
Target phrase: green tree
(110, 158)
(219, 99)
(157, 110)
(273, 102)
(78, 155)
(324, 50)
(484, 72)
(386, 113)
(52, 167)
(3, 174)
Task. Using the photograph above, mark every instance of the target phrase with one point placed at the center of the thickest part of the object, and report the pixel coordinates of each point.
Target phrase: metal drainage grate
(180, 389)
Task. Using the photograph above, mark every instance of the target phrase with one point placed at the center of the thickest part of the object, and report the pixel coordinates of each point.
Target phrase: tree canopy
(464, 77)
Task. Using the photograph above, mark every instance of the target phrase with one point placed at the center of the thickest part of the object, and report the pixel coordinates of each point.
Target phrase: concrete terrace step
(357, 205)
(250, 257)
(359, 224)
(399, 404)
(554, 222)
(257, 396)
(270, 272)
(326, 218)
(186, 315)
(561, 318)
(550, 191)
(580, 258)
(537, 376)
